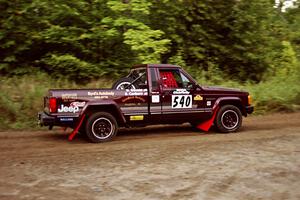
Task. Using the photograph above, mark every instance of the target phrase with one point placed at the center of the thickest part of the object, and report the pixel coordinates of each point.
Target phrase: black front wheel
(228, 119)
(101, 127)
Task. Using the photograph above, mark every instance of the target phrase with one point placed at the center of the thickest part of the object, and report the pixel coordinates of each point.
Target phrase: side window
(173, 78)
(185, 81)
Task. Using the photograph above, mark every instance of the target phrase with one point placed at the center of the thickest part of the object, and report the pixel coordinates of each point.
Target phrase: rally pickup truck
(150, 94)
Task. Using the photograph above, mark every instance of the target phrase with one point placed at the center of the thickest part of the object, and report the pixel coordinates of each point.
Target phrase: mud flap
(75, 131)
(205, 126)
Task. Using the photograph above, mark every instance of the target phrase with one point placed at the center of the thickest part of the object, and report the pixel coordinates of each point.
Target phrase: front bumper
(249, 109)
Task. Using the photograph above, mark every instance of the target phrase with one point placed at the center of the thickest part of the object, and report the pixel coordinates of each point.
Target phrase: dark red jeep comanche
(150, 94)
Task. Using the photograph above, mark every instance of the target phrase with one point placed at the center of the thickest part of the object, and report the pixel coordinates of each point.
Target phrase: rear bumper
(249, 109)
(45, 120)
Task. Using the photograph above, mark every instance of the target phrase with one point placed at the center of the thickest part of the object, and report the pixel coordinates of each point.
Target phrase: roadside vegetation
(21, 98)
(250, 45)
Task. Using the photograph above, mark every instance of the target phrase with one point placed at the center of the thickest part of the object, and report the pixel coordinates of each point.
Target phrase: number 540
(181, 101)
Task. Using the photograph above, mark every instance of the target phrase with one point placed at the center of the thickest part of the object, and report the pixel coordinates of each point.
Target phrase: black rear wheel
(101, 127)
(228, 119)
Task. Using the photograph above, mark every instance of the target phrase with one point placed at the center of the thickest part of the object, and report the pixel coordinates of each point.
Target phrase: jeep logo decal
(68, 109)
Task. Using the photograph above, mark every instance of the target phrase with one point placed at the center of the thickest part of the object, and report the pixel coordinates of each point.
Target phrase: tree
(130, 19)
(87, 39)
(231, 36)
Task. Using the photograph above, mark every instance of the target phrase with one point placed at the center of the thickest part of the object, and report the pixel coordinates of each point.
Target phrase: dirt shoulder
(262, 161)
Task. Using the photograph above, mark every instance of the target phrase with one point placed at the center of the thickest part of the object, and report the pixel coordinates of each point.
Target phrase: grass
(21, 98)
(277, 95)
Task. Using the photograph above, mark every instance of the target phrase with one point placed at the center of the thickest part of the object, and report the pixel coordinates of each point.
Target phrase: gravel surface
(262, 161)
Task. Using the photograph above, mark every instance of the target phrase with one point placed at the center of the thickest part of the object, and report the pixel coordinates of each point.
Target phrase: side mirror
(191, 85)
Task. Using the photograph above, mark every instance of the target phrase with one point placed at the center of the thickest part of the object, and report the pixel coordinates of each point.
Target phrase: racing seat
(168, 80)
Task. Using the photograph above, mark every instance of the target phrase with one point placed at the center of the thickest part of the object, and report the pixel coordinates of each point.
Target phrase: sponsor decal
(155, 98)
(77, 104)
(181, 101)
(181, 91)
(136, 92)
(66, 119)
(68, 109)
(136, 117)
(104, 93)
(198, 98)
(69, 96)
(208, 103)
(101, 97)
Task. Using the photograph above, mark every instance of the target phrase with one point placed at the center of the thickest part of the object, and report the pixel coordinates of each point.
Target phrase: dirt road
(262, 161)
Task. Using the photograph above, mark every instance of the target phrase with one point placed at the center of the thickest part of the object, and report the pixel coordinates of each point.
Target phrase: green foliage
(145, 42)
(287, 62)
(68, 65)
(281, 94)
(292, 18)
(22, 98)
(178, 59)
(242, 39)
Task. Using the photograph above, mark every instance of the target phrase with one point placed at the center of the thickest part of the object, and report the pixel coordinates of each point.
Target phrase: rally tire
(101, 127)
(123, 82)
(228, 119)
